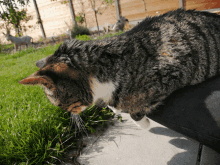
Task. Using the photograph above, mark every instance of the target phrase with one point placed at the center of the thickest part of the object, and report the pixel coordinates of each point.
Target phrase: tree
(100, 9)
(81, 17)
(11, 15)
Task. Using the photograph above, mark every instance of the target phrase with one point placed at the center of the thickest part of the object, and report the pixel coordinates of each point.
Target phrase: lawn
(28, 122)
(32, 130)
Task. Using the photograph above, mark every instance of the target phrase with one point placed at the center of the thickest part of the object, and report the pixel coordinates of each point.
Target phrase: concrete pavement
(126, 144)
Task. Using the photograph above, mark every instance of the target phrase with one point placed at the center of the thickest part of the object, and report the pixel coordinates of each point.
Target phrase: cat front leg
(140, 119)
(116, 111)
(137, 106)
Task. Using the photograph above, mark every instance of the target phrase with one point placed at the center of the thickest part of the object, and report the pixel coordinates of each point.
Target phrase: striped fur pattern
(144, 65)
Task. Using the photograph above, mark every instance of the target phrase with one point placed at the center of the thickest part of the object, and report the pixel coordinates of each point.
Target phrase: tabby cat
(136, 70)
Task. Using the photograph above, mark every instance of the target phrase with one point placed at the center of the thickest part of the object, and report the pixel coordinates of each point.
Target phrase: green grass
(7, 46)
(86, 37)
(28, 122)
(83, 37)
(79, 30)
(110, 35)
(32, 130)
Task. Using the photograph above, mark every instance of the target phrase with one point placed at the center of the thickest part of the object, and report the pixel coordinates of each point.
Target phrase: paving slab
(126, 144)
(209, 157)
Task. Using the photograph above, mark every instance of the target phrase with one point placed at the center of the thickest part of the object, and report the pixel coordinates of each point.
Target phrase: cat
(120, 24)
(136, 70)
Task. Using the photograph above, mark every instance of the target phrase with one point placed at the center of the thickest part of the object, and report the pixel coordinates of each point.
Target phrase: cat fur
(137, 69)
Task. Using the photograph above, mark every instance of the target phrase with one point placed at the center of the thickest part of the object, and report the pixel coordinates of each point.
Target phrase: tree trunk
(85, 20)
(97, 22)
(17, 31)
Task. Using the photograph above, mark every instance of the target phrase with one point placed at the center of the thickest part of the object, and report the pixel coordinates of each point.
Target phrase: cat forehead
(59, 70)
(53, 59)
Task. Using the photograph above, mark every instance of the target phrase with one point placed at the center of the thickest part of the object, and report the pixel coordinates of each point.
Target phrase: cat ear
(37, 80)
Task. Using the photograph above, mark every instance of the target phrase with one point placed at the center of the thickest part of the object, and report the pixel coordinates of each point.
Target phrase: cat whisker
(83, 126)
(79, 124)
(71, 122)
(76, 127)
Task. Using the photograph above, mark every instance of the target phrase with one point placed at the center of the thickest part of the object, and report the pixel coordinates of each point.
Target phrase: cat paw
(116, 111)
(143, 123)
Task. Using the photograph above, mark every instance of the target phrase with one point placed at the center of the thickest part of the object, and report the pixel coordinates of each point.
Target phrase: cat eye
(67, 60)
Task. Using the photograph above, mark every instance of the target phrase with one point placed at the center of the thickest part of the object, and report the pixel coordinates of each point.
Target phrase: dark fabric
(194, 111)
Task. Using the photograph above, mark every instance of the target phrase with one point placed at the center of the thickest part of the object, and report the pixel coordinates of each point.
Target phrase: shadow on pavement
(95, 142)
(188, 156)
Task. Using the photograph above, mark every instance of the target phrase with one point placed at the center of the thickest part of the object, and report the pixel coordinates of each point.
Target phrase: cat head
(64, 84)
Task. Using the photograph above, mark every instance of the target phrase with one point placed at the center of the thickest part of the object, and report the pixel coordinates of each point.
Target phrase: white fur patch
(102, 90)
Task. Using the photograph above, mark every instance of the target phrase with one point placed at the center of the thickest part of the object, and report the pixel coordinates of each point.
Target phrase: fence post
(39, 19)
(72, 13)
(117, 9)
(181, 4)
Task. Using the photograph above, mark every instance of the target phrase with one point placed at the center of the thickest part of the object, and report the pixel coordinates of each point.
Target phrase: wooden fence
(57, 19)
